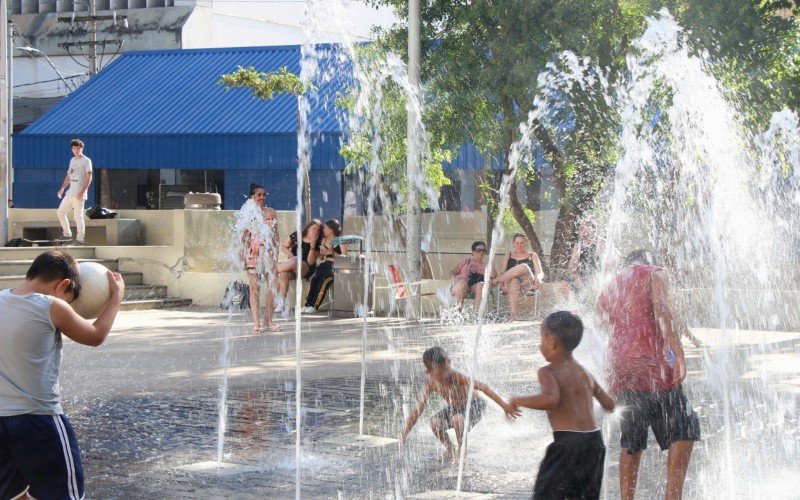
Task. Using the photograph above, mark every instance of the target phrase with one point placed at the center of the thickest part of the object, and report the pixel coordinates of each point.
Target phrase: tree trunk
(564, 239)
(105, 189)
(517, 209)
(527, 227)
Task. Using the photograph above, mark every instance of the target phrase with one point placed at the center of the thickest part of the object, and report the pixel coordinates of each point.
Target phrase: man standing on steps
(79, 177)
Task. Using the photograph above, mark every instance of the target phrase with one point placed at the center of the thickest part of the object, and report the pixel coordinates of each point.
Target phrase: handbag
(236, 293)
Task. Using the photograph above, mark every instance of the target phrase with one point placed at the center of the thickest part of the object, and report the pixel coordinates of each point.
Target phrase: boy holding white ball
(39, 454)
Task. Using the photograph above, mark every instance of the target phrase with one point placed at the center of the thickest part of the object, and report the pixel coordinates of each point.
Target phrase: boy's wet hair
(640, 256)
(434, 356)
(566, 327)
(76, 142)
(54, 265)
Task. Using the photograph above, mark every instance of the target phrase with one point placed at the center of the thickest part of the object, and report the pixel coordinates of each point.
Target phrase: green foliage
(481, 59)
(381, 138)
(265, 85)
(507, 220)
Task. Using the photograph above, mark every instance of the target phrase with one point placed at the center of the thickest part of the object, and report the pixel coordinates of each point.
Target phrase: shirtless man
(573, 464)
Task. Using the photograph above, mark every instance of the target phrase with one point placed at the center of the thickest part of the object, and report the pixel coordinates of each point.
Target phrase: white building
(44, 70)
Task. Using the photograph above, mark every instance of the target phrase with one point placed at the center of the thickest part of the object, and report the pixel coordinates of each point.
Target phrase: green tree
(378, 134)
(481, 59)
(265, 86)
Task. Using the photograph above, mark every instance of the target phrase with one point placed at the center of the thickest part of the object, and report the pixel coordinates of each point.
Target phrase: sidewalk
(145, 406)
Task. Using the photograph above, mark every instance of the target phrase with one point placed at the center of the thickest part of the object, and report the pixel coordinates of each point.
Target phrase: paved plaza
(146, 405)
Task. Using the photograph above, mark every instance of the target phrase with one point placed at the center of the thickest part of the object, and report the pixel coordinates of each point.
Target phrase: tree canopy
(481, 59)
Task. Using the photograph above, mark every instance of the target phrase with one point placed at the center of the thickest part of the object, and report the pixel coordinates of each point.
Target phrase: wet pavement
(146, 409)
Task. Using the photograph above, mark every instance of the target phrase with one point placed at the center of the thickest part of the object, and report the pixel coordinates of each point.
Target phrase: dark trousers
(320, 282)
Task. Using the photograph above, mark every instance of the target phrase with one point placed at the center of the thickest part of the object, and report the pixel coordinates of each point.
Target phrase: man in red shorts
(647, 368)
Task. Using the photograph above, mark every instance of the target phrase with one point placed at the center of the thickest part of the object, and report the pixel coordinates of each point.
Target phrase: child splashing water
(453, 386)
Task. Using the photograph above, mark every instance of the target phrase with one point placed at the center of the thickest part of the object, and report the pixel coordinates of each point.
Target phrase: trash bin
(348, 286)
(202, 201)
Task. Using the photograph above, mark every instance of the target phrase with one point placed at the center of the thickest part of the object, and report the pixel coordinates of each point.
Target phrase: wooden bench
(99, 232)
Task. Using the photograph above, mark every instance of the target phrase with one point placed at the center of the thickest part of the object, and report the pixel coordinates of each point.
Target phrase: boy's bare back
(575, 388)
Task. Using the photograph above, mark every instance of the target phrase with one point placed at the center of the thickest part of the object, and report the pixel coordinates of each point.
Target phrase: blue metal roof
(176, 92)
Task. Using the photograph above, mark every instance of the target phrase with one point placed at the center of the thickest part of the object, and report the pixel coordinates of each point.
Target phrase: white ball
(95, 291)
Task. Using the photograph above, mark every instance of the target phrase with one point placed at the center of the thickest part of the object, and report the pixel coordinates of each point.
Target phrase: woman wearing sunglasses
(468, 275)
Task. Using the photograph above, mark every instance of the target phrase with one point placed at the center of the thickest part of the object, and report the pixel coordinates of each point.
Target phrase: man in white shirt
(79, 177)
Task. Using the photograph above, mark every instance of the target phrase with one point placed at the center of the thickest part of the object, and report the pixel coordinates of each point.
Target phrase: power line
(47, 81)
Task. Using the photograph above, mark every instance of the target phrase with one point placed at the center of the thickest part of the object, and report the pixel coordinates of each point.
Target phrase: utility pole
(92, 43)
(92, 39)
(5, 125)
(94, 67)
(413, 223)
(10, 96)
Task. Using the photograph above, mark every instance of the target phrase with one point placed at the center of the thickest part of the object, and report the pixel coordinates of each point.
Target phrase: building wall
(36, 188)
(281, 186)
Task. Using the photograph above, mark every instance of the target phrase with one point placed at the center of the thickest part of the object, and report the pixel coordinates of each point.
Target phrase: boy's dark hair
(434, 356)
(253, 188)
(76, 142)
(54, 265)
(477, 244)
(566, 327)
(640, 256)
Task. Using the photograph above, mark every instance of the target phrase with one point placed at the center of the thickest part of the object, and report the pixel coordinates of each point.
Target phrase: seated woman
(323, 276)
(288, 268)
(523, 273)
(468, 275)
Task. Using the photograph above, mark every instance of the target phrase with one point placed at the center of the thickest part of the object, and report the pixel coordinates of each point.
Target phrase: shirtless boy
(453, 387)
(573, 464)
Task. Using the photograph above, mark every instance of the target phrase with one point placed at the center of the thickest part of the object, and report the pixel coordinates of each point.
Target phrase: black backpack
(237, 291)
(98, 212)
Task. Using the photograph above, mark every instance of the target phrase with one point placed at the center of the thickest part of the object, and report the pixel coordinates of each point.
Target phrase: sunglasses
(480, 250)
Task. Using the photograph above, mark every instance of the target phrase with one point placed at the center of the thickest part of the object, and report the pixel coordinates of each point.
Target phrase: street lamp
(36, 52)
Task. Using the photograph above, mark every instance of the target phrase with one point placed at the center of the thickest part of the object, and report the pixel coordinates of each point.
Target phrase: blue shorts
(39, 453)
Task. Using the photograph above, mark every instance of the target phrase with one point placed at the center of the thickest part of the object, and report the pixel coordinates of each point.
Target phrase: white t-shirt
(78, 169)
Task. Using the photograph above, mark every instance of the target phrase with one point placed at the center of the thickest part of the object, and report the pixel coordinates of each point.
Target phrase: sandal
(257, 329)
(273, 328)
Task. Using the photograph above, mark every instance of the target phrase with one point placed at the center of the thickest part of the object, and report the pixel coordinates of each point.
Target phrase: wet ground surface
(144, 437)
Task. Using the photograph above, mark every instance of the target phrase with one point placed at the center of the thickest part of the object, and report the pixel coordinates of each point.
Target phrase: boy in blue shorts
(39, 454)
(453, 386)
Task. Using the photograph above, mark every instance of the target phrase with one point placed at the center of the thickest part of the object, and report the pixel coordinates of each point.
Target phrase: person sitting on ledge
(323, 276)
(310, 236)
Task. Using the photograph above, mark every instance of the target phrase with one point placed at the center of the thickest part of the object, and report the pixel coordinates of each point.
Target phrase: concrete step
(11, 281)
(30, 253)
(20, 266)
(134, 305)
(144, 292)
